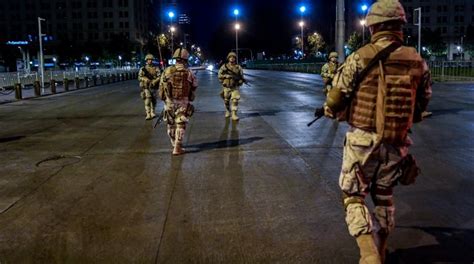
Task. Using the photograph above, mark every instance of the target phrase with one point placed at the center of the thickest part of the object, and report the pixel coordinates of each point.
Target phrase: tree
(432, 40)
(469, 41)
(315, 43)
(355, 41)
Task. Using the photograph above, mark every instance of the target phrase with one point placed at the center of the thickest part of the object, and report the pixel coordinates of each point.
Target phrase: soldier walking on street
(149, 78)
(381, 89)
(328, 71)
(231, 76)
(177, 89)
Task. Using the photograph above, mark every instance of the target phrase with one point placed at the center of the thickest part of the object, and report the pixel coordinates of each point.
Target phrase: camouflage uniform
(380, 110)
(177, 90)
(149, 78)
(231, 77)
(328, 71)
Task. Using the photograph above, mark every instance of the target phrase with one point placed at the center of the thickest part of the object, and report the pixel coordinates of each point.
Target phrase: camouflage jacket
(149, 77)
(328, 71)
(177, 79)
(231, 75)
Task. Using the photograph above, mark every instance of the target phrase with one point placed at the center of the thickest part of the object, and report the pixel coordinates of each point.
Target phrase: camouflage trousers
(231, 95)
(149, 99)
(177, 114)
(369, 166)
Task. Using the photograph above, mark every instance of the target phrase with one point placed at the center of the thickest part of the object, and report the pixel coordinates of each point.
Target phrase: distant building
(450, 17)
(76, 20)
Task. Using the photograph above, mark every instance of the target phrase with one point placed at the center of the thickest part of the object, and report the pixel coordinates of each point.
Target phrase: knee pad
(358, 219)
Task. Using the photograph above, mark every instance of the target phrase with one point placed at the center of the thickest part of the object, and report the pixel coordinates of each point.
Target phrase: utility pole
(419, 26)
(41, 61)
(340, 29)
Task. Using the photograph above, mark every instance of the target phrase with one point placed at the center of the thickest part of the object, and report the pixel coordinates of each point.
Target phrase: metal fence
(452, 70)
(314, 67)
(9, 79)
(440, 70)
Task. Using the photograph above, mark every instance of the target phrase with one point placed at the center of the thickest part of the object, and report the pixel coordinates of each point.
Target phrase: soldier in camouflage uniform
(328, 71)
(149, 78)
(177, 89)
(380, 108)
(231, 76)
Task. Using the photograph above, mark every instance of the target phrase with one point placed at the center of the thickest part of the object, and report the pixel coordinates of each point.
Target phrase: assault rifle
(160, 118)
(236, 77)
(318, 114)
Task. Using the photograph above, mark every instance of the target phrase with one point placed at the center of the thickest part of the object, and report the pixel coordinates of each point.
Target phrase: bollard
(37, 87)
(18, 95)
(87, 81)
(66, 84)
(108, 79)
(94, 79)
(102, 80)
(77, 81)
(53, 86)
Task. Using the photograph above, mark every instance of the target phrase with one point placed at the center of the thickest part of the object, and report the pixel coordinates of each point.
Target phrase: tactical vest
(402, 71)
(180, 86)
(231, 82)
(332, 69)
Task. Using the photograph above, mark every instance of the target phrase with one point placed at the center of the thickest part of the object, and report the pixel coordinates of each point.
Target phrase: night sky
(267, 25)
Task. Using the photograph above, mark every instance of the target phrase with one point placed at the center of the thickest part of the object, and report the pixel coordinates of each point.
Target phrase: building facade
(74, 20)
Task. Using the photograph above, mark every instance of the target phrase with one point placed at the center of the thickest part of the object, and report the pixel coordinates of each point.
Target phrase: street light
(237, 28)
(302, 9)
(236, 12)
(172, 30)
(364, 8)
(302, 38)
(363, 22)
(120, 61)
(171, 14)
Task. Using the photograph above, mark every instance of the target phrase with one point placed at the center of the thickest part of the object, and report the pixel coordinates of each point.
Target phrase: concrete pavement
(84, 178)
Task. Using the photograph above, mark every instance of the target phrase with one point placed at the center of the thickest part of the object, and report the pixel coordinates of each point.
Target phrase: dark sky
(267, 25)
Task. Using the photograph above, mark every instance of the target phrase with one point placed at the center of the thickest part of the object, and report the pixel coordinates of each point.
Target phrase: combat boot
(152, 114)
(178, 149)
(148, 116)
(227, 113)
(234, 116)
(369, 253)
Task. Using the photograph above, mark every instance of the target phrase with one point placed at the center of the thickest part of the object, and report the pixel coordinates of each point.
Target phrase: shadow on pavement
(8, 139)
(454, 246)
(257, 114)
(437, 112)
(221, 144)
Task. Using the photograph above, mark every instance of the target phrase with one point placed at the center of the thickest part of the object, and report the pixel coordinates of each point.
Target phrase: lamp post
(237, 28)
(41, 60)
(172, 30)
(362, 23)
(301, 24)
(419, 26)
(302, 38)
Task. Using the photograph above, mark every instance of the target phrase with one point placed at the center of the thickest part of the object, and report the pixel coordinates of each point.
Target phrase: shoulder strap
(380, 56)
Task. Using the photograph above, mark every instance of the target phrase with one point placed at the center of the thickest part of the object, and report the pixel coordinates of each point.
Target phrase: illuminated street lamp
(237, 28)
(172, 30)
(363, 22)
(302, 38)
(120, 61)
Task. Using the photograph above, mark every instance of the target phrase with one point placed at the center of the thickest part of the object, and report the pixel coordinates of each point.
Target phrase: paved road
(85, 179)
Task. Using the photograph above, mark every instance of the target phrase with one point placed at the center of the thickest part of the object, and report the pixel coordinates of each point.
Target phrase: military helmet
(149, 57)
(231, 54)
(385, 10)
(181, 53)
(333, 55)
